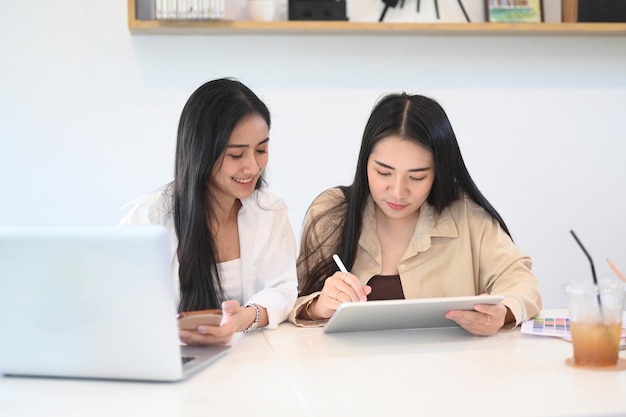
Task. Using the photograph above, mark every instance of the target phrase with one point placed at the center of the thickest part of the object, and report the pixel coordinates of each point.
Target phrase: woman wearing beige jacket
(412, 225)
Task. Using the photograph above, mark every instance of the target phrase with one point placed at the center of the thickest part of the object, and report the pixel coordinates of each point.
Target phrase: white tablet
(402, 314)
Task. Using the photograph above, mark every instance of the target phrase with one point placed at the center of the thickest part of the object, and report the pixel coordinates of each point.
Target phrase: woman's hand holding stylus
(339, 288)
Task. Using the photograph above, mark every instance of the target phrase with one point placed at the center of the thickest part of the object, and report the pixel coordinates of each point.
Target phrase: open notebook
(91, 302)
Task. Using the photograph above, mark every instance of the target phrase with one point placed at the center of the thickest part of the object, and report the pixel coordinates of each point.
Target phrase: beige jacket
(461, 252)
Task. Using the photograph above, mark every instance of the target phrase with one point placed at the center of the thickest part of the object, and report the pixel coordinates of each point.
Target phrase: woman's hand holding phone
(210, 327)
(191, 320)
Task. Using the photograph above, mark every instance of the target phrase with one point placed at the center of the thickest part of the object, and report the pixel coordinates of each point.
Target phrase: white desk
(304, 372)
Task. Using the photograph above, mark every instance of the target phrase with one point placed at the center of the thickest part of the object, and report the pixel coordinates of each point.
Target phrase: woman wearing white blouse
(230, 237)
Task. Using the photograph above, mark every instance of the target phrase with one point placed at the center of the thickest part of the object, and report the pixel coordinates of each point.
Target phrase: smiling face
(235, 176)
(400, 174)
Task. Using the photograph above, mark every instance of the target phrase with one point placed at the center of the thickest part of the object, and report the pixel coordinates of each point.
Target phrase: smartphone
(190, 320)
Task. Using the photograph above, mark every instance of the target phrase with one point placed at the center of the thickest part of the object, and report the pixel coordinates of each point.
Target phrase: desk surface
(304, 372)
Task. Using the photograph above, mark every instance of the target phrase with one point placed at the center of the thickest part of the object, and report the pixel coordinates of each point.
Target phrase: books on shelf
(180, 9)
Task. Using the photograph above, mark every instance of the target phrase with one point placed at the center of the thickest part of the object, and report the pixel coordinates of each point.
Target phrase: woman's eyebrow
(234, 145)
(384, 165)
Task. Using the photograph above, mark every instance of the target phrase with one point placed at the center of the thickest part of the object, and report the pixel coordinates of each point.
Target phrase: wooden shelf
(191, 27)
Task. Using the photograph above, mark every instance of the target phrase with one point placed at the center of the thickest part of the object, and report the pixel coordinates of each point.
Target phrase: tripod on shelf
(394, 3)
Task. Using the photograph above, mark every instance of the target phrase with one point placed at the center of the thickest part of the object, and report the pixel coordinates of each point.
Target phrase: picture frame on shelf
(514, 11)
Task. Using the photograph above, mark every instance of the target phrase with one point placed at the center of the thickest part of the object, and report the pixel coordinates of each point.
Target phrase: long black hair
(209, 117)
(413, 117)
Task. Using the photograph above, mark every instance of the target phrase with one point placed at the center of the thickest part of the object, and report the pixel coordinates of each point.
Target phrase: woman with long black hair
(412, 225)
(231, 241)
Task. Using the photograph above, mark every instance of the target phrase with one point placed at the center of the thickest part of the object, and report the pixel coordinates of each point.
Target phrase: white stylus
(340, 264)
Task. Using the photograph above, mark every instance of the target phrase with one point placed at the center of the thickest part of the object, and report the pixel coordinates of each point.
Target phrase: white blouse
(232, 284)
(266, 270)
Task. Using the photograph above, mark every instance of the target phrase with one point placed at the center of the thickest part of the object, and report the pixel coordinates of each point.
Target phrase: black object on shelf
(388, 4)
(317, 10)
(394, 3)
(602, 11)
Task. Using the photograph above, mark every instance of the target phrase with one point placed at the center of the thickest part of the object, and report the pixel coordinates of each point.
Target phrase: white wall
(88, 115)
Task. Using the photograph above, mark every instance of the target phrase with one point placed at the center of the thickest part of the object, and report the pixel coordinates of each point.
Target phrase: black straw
(593, 269)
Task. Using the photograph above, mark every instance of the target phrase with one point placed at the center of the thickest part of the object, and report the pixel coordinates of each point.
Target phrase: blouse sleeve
(276, 286)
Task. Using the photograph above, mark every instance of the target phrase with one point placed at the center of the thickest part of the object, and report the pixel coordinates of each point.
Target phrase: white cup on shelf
(261, 10)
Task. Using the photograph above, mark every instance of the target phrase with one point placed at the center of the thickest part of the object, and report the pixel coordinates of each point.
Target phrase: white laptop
(402, 314)
(91, 302)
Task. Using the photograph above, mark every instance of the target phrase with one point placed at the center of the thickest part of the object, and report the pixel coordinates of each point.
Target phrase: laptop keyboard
(186, 359)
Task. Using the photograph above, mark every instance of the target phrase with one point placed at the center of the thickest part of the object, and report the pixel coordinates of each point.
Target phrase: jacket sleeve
(319, 233)
(301, 303)
(505, 269)
(315, 237)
